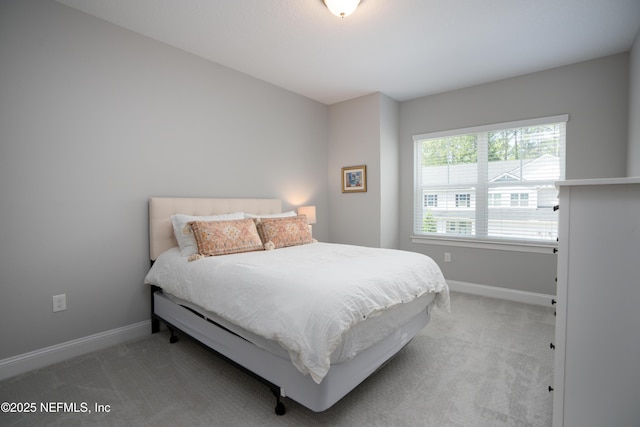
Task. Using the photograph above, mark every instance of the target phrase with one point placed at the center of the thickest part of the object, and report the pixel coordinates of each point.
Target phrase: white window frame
(483, 241)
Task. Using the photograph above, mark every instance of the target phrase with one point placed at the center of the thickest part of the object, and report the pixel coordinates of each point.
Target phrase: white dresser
(597, 343)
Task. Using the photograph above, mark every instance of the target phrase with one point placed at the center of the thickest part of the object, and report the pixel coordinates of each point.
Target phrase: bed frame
(277, 372)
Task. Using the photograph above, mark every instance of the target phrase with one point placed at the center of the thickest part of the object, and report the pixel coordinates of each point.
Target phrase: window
(463, 200)
(495, 199)
(431, 200)
(459, 227)
(519, 199)
(487, 183)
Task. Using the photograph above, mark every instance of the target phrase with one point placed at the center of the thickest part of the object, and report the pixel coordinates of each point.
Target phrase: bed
(311, 320)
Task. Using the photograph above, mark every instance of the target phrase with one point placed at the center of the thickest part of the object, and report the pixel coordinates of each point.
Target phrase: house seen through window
(493, 182)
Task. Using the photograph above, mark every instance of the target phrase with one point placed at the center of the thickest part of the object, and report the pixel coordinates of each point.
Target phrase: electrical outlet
(447, 257)
(59, 302)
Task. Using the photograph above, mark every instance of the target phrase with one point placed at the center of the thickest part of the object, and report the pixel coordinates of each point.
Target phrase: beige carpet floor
(488, 363)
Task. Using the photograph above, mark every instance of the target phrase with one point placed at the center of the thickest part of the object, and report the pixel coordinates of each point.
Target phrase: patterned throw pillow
(182, 231)
(226, 237)
(281, 232)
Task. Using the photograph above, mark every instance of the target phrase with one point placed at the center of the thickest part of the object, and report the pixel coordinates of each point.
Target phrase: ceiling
(403, 48)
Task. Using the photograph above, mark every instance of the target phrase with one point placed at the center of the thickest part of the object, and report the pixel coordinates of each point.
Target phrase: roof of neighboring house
(545, 167)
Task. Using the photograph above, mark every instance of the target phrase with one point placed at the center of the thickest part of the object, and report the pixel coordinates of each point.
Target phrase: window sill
(533, 247)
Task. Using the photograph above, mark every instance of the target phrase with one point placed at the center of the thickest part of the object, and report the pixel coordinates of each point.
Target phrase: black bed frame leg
(174, 338)
(280, 409)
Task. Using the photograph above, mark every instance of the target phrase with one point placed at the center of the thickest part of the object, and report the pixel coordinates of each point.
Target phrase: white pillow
(182, 231)
(276, 215)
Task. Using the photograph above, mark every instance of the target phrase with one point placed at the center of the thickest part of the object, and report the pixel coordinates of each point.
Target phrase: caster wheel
(280, 410)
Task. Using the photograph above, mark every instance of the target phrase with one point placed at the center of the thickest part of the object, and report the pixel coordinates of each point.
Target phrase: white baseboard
(57, 353)
(501, 293)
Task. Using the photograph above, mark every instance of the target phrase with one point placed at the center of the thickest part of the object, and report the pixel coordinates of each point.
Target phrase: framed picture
(354, 179)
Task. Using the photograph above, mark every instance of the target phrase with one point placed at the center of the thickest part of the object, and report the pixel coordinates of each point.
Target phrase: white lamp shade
(310, 212)
(342, 8)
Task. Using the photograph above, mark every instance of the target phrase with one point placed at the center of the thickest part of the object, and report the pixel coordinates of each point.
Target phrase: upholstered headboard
(161, 235)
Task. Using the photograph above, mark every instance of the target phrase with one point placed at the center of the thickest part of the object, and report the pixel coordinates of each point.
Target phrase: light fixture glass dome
(342, 8)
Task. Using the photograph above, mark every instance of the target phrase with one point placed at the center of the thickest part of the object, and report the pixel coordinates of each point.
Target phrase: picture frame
(354, 179)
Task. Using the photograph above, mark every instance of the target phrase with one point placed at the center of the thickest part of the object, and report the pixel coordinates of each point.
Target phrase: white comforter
(304, 297)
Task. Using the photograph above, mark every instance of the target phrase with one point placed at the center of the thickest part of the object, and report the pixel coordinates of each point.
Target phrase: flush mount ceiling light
(342, 8)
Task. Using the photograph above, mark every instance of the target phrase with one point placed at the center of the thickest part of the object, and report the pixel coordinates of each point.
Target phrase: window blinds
(493, 182)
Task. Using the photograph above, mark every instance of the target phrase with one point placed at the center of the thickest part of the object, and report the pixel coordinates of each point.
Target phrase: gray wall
(354, 139)
(389, 172)
(633, 161)
(365, 131)
(593, 93)
(94, 120)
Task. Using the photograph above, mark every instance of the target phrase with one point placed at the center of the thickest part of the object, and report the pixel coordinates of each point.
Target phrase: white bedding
(360, 337)
(303, 297)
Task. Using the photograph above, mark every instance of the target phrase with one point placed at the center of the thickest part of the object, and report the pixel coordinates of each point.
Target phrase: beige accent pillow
(281, 232)
(226, 237)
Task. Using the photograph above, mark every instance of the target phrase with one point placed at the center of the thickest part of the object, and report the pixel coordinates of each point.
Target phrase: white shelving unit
(597, 344)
